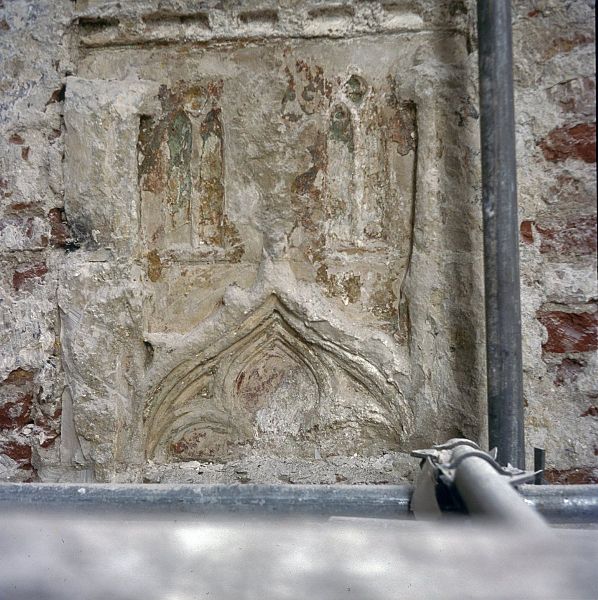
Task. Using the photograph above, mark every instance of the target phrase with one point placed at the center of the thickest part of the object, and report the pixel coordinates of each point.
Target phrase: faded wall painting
(248, 210)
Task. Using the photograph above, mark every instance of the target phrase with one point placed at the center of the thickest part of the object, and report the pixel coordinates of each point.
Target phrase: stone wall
(36, 57)
(242, 242)
(556, 127)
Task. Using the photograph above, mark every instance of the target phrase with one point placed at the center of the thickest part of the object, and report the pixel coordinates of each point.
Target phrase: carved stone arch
(274, 331)
(209, 391)
(264, 385)
(178, 403)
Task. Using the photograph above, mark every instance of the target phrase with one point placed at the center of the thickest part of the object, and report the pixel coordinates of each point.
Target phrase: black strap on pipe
(501, 239)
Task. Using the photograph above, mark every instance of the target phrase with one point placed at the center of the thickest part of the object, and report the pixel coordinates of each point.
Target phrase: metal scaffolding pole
(558, 504)
(501, 240)
(489, 494)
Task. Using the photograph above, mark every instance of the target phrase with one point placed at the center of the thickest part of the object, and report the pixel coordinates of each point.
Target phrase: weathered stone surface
(102, 121)
(263, 375)
(243, 243)
(568, 370)
(576, 96)
(555, 106)
(22, 232)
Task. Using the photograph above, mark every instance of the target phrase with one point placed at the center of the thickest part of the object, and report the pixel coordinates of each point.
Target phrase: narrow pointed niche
(208, 211)
(340, 174)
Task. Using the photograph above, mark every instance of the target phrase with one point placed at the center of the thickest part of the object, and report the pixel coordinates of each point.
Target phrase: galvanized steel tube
(565, 504)
(557, 503)
(501, 249)
(488, 494)
(321, 501)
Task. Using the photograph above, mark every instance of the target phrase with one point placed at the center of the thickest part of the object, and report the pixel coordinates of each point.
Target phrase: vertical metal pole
(501, 239)
(539, 464)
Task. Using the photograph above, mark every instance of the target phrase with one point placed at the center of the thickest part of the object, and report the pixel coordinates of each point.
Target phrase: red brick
(19, 376)
(50, 428)
(527, 236)
(564, 45)
(576, 237)
(19, 451)
(21, 206)
(16, 399)
(577, 142)
(60, 234)
(571, 476)
(570, 332)
(16, 139)
(17, 413)
(21, 277)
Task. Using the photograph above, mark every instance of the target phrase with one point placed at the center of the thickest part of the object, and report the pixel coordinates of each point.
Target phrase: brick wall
(556, 112)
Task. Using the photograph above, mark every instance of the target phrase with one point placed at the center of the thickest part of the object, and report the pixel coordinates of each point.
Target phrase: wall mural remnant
(181, 172)
(260, 262)
(356, 198)
(271, 385)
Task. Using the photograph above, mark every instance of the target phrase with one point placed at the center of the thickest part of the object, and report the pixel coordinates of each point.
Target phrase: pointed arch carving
(269, 383)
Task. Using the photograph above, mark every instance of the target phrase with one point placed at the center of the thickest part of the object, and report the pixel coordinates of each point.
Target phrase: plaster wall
(242, 242)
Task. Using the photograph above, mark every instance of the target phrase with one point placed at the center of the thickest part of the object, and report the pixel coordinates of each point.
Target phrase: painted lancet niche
(353, 203)
(181, 173)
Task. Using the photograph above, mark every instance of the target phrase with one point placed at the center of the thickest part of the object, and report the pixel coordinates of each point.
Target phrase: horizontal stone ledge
(105, 26)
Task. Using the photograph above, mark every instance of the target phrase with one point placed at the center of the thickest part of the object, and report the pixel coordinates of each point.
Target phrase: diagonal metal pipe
(501, 239)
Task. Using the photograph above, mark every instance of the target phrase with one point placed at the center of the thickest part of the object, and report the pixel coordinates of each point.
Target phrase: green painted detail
(180, 140)
(180, 146)
(341, 127)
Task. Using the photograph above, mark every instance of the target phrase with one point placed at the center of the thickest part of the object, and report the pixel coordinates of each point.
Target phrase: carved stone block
(260, 202)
